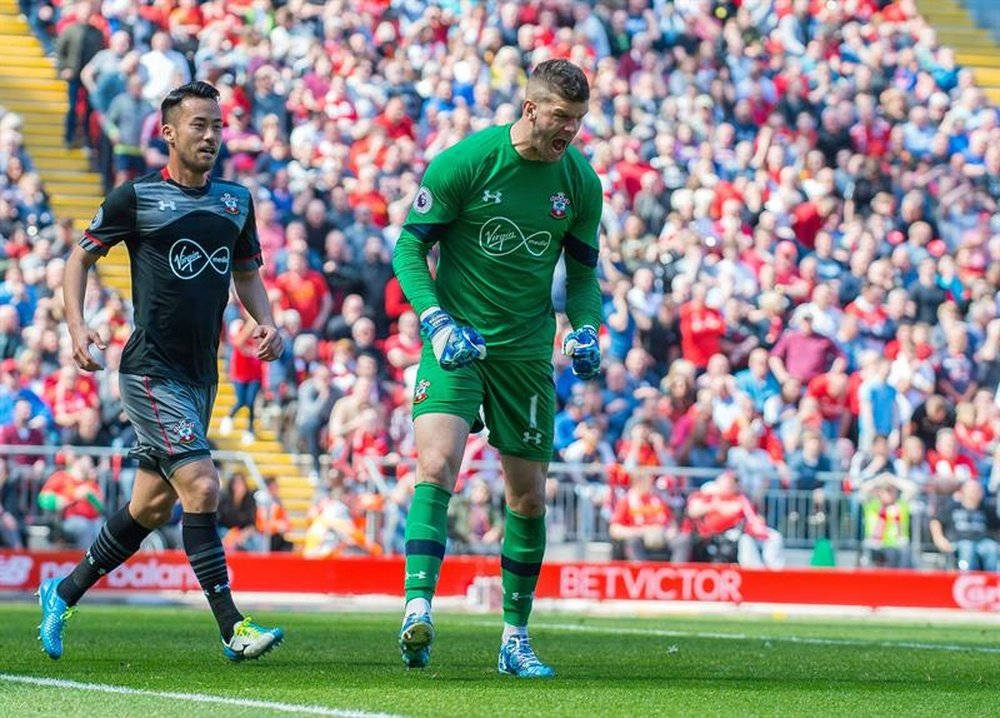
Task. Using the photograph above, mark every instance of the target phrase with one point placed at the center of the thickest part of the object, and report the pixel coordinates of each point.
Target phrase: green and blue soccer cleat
(517, 658)
(55, 612)
(251, 641)
(415, 639)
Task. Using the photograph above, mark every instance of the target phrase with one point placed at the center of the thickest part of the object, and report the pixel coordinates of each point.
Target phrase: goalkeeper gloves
(582, 346)
(454, 346)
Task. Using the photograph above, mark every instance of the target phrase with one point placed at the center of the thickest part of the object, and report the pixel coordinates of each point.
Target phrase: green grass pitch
(719, 666)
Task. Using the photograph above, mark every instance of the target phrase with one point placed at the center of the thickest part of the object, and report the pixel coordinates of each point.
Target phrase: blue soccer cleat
(55, 611)
(415, 639)
(517, 658)
(251, 640)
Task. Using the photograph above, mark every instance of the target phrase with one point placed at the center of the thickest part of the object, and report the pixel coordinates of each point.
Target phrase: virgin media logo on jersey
(977, 592)
(15, 570)
(499, 236)
(651, 583)
(188, 259)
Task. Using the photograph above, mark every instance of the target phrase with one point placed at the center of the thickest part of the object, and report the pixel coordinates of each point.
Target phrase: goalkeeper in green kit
(504, 204)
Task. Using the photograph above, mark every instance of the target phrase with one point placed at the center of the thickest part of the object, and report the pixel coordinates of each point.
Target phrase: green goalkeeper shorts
(517, 396)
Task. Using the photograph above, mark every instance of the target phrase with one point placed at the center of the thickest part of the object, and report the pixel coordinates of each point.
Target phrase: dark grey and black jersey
(183, 245)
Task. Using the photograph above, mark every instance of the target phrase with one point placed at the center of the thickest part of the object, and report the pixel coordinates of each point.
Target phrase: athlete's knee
(153, 512)
(527, 503)
(201, 495)
(437, 466)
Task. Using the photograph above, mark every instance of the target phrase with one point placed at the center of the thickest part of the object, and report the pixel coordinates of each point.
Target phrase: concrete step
(16, 83)
(75, 204)
(29, 62)
(299, 522)
(77, 154)
(12, 40)
(971, 43)
(33, 94)
(49, 130)
(259, 446)
(973, 59)
(70, 175)
(74, 189)
(29, 108)
(987, 76)
(37, 66)
(993, 93)
(59, 163)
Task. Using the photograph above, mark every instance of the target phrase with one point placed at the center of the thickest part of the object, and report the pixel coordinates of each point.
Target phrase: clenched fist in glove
(454, 346)
(582, 346)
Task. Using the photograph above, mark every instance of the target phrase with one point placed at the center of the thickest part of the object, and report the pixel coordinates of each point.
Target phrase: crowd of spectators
(800, 243)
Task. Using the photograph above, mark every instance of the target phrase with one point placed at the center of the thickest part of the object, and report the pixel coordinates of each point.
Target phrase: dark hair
(564, 78)
(177, 95)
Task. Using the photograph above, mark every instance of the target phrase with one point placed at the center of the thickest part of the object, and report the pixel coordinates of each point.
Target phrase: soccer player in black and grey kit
(187, 236)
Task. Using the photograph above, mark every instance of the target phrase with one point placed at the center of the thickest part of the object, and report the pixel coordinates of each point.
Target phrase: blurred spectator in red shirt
(702, 329)
(721, 509)
(246, 374)
(804, 354)
(402, 349)
(20, 433)
(75, 494)
(645, 526)
(305, 291)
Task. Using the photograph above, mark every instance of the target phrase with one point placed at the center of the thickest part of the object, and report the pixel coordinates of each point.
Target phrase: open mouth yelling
(559, 145)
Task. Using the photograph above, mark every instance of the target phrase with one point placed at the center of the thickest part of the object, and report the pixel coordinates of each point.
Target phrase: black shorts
(170, 419)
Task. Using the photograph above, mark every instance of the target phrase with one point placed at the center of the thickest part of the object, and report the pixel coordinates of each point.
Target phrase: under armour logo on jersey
(494, 197)
(532, 436)
(166, 204)
(419, 575)
(188, 259)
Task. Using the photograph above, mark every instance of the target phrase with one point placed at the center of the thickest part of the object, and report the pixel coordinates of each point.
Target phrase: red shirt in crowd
(642, 508)
(74, 491)
(726, 511)
(410, 348)
(402, 127)
(13, 436)
(959, 467)
(702, 329)
(304, 294)
(830, 405)
(975, 439)
(244, 366)
(806, 355)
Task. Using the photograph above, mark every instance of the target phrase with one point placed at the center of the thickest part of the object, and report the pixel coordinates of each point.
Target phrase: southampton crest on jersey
(184, 431)
(560, 203)
(231, 204)
(420, 392)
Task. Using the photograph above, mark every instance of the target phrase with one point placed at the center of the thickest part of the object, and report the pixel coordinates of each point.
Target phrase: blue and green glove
(454, 346)
(582, 346)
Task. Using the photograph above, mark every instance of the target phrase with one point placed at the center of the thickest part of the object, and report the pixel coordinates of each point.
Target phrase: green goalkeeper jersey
(502, 222)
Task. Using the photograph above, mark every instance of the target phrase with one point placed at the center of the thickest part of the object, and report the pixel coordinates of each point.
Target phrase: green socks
(520, 562)
(426, 535)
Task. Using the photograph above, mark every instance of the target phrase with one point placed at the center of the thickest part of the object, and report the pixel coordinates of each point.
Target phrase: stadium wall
(169, 571)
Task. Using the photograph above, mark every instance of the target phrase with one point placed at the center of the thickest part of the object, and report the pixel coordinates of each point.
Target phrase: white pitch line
(194, 697)
(666, 633)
